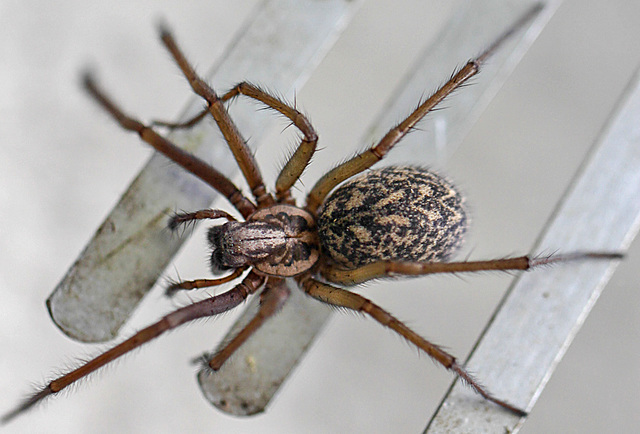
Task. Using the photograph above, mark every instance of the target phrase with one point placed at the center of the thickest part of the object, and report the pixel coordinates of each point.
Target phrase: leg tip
(163, 28)
(87, 78)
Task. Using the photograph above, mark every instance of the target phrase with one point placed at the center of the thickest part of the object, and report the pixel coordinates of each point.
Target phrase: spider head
(225, 247)
(237, 244)
(277, 241)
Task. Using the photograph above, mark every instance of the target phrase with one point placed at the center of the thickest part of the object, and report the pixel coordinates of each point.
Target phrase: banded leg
(381, 269)
(205, 308)
(236, 143)
(271, 301)
(368, 158)
(179, 156)
(343, 298)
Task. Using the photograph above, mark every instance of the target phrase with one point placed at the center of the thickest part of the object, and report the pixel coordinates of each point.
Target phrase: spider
(394, 221)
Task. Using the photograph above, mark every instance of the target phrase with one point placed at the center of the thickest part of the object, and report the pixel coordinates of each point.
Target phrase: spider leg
(369, 157)
(186, 124)
(205, 308)
(271, 301)
(380, 269)
(238, 147)
(202, 283)
(182, 218)
(343, 298)
(179, 156)
(198, 117)
(301, 157)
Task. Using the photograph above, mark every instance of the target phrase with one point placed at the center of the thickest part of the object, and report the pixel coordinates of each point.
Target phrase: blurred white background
(63, 164)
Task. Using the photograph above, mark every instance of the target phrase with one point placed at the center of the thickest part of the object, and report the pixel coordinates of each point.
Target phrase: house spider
(394, 221)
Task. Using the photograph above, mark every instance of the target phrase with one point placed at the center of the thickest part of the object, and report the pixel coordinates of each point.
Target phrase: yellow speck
(251, 363)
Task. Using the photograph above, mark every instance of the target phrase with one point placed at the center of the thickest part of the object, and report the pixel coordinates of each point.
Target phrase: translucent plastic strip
(279, 45)
(543, 311)
(248, 381)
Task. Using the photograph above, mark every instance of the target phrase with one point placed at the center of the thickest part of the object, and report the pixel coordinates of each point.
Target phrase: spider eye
(223, 248)
(215, 237)
(217, 261)
(216, 264)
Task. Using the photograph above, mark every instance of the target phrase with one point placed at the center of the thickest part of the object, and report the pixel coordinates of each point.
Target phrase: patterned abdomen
(398, 213)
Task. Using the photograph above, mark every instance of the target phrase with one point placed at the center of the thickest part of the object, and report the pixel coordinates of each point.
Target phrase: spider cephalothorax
(278, 241)
(398, 220)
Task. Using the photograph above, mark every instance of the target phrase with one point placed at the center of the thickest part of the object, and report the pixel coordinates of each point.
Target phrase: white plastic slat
(283, 40)
(247, 382)
(543, 310)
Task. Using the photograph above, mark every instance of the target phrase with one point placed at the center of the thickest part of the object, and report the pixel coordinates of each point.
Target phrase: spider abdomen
(399, 213)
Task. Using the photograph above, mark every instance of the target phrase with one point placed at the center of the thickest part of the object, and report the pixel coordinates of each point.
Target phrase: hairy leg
(271, 301)
(343, 298)
(369, 157)
(239, 148)
(382, 269)
(205, 308)
(184, 159)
